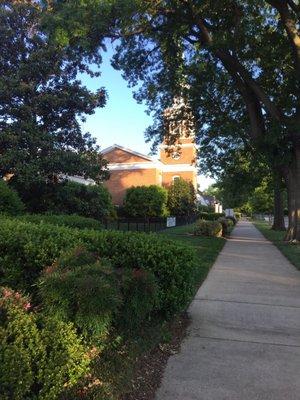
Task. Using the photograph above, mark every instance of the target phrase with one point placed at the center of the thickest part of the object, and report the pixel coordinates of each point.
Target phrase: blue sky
(122, 121)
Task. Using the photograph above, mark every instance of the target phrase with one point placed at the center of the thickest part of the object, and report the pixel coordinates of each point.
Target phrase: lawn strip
(290, 250)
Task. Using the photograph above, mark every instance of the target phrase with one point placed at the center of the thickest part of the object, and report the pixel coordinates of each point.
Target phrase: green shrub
(26, 248)
(210, 216)
(93, 201)
(232, 219)
(238, 215)
(140, 298)
(146, 201)
(207, 209)
(81, 289)
(181, 198)
(225, 225)
(208, 228)
(72, 221)
(10, 202)
(38, 356)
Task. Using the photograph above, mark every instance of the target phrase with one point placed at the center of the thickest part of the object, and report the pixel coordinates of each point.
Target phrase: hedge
(207, 228)
(10, 202)
(210, 216)
(26, 248)
(39, 355)
(72, 221)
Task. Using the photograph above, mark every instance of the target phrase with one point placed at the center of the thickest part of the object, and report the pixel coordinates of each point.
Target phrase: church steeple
(179, 142)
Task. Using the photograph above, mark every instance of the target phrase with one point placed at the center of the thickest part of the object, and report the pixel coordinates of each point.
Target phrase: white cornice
(152, 165)
(134, 165)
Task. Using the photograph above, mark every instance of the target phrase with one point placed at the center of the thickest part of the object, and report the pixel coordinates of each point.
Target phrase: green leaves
(41, 101)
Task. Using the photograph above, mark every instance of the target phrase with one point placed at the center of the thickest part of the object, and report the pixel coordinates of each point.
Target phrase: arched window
(175, 178)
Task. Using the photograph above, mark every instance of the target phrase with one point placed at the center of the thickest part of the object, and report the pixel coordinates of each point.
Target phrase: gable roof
(117, 146)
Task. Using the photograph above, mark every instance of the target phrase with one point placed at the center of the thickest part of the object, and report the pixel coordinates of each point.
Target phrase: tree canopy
(42, 101)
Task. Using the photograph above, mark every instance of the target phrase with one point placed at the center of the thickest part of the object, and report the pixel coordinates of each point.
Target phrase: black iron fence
(147, 224)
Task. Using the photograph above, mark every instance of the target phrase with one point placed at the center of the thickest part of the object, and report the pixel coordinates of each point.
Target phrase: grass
(207, 248)
(291, 251)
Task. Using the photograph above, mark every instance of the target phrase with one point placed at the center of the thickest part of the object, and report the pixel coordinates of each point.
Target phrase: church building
(177, 158)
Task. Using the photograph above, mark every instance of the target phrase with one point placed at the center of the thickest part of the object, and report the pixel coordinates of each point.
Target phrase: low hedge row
(210, 216)
(72, 221)
(26, 248)
(207, 228)
(39, 355)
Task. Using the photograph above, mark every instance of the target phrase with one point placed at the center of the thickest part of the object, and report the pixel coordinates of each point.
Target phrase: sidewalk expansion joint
(243, 341)
(245, 302)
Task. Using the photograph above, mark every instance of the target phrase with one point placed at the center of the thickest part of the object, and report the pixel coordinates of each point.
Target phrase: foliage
(81, 289)
(92, 201)
(141, 294)
(181, 198)
(42, 102)
(207, 228)
(72, 221)
(238, 215)
(25, 249)
(262, 198)
(210, 216)
(10, 202)
(225, 225)
(207, 209)
(232, 219)
(38, 356)
(146, 201)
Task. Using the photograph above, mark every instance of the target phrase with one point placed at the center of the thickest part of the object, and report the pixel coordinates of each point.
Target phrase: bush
(140, 298)
(92, 201)
(146, 201)
(225, 225)
(208, 228)
(10, 202)
(26, 248)
(38, 356)
(81, 289)
(181, 198)
(72, 221)
(232, 219)
(207, 209)
(210, 216)
(238, 215)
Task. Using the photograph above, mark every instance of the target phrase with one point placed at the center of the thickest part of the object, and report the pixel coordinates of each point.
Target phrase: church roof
(117, 146)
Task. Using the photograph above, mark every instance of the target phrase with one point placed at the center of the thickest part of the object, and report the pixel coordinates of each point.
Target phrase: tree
(173, 46)
(146, 201)
(181, 198)
(256, 44)
(42, 102)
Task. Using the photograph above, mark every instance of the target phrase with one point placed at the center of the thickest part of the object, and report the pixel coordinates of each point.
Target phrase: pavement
(244, 339)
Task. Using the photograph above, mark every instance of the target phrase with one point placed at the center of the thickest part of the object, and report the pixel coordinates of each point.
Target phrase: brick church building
(177, 158)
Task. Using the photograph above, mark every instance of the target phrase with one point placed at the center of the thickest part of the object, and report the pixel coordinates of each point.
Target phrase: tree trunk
(278, 223)
(293, 186)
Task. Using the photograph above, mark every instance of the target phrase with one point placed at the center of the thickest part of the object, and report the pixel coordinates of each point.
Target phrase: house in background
(177, 157)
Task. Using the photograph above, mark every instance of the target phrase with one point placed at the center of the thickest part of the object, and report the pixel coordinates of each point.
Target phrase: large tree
(173, 46)
(257, 44)
(42, 101)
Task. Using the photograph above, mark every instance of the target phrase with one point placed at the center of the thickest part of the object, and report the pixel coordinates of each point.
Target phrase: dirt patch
(150, 367)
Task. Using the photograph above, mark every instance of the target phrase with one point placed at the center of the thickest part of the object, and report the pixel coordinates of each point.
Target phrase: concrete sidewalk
(244, 339)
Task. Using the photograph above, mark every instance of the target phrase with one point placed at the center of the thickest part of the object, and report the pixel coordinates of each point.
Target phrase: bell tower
(178, 151)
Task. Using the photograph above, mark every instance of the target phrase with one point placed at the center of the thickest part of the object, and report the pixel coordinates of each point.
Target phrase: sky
(122, 121)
